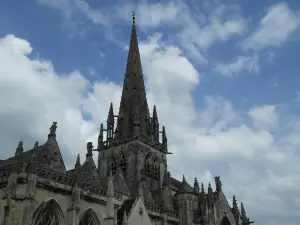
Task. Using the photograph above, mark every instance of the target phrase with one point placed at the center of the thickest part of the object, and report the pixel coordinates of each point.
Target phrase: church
(130, 184)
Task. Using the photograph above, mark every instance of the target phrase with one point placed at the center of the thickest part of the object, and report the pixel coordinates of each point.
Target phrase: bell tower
(134, 141)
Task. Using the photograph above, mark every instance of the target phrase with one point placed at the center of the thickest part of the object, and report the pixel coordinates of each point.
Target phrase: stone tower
(132, 136)
(130, 185)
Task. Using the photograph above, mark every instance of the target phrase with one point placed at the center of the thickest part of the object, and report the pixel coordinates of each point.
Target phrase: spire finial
(133, 17)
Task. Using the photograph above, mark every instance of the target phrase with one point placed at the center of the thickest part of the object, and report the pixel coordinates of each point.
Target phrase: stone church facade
(130, 185)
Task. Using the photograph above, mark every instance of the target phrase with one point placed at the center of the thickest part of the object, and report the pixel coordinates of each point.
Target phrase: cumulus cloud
(274, 28)
(254, 161)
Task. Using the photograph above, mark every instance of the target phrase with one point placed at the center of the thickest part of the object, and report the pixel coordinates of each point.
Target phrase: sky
(223, 75)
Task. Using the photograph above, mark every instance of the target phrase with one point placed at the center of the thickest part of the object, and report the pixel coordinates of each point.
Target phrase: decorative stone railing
(159, 209)
(46, 173)
(171, 213)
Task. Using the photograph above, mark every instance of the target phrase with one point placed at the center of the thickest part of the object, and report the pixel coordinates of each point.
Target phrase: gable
(224, 208)
(50, 155)
(139, 214)
(88, 170)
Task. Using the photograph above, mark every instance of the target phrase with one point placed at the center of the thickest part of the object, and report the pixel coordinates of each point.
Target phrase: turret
(186, 206)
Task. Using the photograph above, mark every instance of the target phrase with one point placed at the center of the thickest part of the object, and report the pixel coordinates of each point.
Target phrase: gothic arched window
(113, 165)
(89, 218)
(148, 167)
(48, 214)
(156, 170)
(47, 218)
(123, 163)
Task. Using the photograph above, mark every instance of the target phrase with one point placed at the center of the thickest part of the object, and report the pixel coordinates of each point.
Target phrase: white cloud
(264, 117)
(274, 29)
(241, 64)
(217, 137)
(195, 30)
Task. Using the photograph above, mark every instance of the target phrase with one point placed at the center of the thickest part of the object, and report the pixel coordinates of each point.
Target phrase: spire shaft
(134, 118)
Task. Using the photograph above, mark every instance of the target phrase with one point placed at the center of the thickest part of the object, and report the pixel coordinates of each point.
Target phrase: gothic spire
(110, 124)
(134, 118)
(155, 125)
(77, 164)
(235, 209)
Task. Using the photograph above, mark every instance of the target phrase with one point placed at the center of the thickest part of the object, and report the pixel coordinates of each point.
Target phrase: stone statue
(52, 130)
(218, 184)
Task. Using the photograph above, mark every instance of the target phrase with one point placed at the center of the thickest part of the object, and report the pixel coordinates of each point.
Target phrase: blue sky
(223, 74)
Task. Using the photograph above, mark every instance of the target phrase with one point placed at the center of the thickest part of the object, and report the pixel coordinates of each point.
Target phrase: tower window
(113, 165)
(123, 163)
(148, 168)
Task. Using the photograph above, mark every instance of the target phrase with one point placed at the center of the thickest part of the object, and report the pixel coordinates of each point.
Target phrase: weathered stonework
(130, 185)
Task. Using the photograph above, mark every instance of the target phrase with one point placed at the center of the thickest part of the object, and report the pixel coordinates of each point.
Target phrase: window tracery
(156, 170)
(89, 218)
(47, 216)
(86, 220)
(148, 167)
(123, 163)
(113, 165)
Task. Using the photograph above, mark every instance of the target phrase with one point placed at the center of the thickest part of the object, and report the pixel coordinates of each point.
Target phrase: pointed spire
(196, 185)
(134, 118)
(155, 125)
(110, 125)
(164, 139)
(234, 203)
(100, 138)
(89, 148)
(243, 211)
(183, 179)
(202, 188)
(20, 149)
(77, 161)
(110, 118)
(235, 209)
